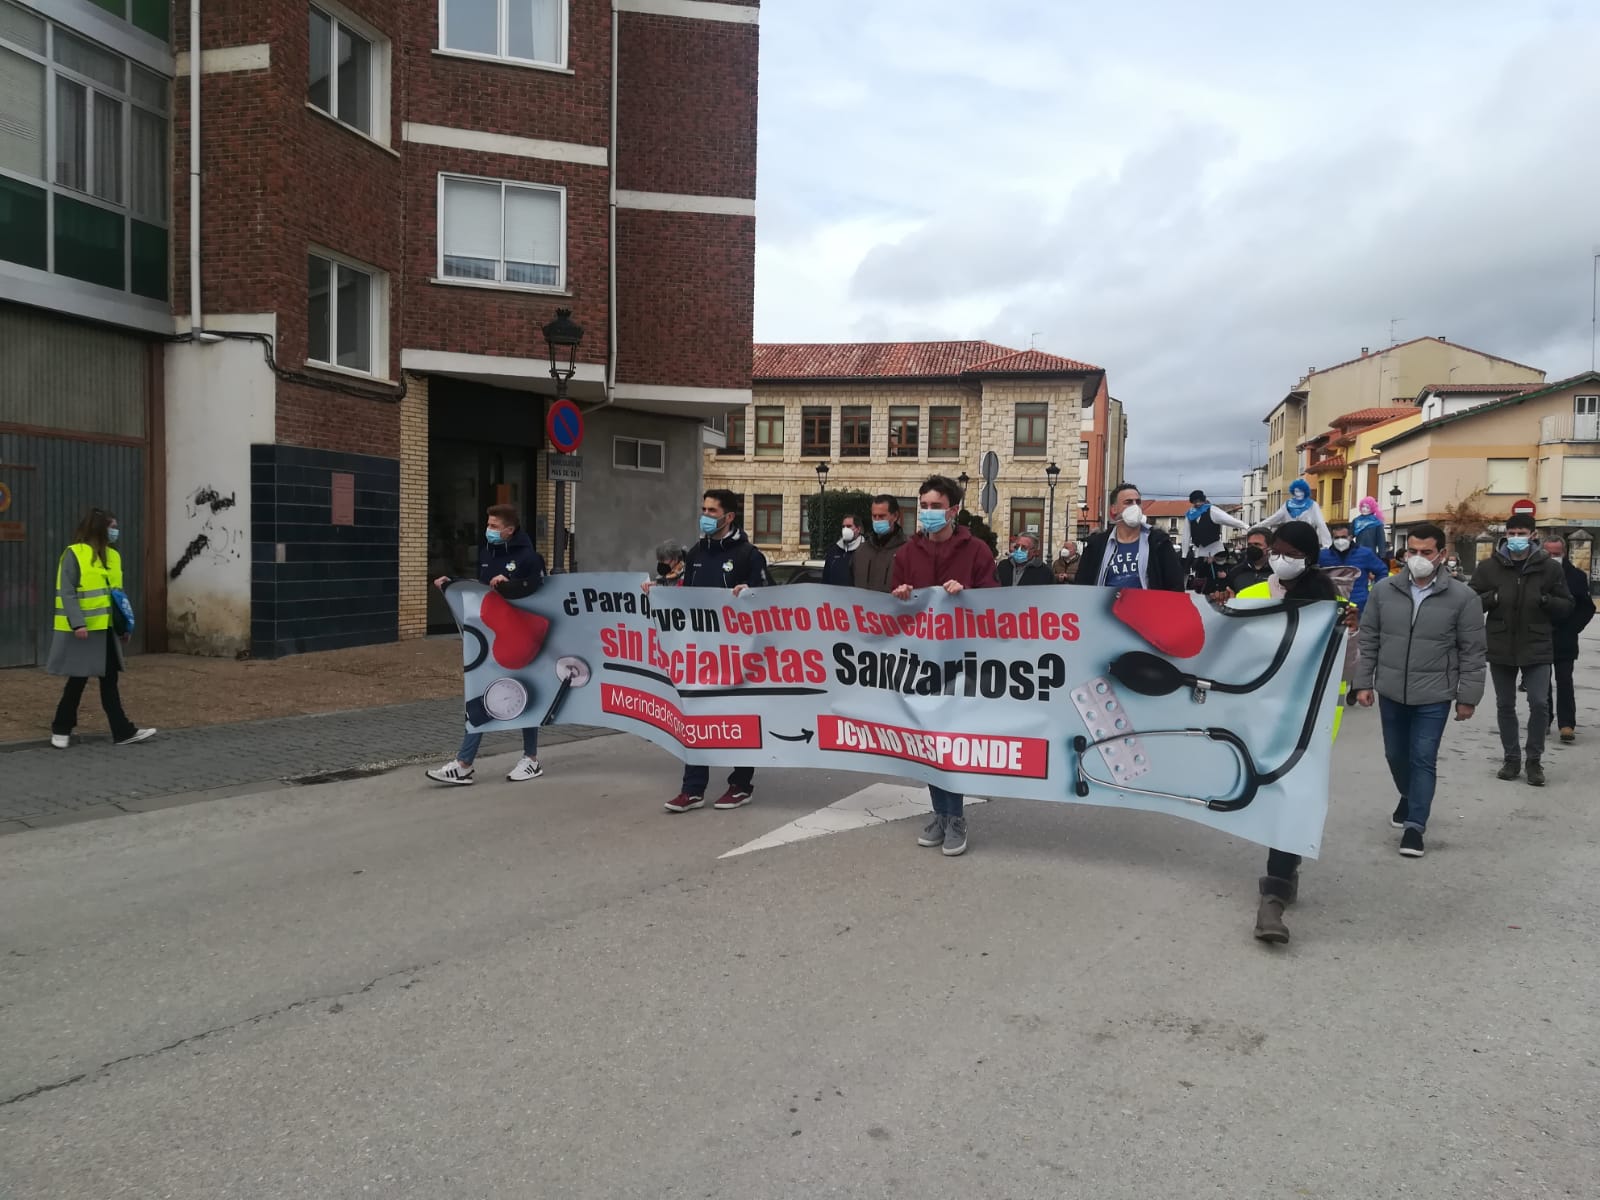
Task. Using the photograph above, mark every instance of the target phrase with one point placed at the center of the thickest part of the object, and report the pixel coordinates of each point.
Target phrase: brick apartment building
(394, 197)
(882, 416)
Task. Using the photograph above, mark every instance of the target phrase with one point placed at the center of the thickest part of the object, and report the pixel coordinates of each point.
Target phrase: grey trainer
(933, 832)
(955, 836)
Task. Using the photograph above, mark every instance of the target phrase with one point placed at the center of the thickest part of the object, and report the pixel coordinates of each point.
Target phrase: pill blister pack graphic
(1104, 717)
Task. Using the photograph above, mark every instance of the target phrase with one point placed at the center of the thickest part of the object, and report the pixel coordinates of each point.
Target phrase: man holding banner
(943, 554)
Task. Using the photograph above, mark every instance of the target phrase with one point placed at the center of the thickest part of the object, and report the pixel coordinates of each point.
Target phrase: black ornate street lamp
(1050, 474)
(561, 337)
(1394, 519)
(822, 481)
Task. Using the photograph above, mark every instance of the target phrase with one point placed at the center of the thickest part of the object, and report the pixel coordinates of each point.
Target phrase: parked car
(800, 570)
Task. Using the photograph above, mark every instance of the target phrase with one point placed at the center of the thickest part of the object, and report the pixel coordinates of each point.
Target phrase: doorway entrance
(464, 479)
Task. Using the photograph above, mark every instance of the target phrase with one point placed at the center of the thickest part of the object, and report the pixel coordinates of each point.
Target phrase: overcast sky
(1203, 199)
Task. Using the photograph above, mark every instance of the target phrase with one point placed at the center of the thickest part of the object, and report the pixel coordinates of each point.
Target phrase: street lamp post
(1050, 474)
(822, 480)
(561, 337)
(1394, 515)
(963, 479)
(1083, 522)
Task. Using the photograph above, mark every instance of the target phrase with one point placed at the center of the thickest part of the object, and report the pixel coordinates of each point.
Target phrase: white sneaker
(452, 772)
(526, 768)
(137, 735)
(60, 740)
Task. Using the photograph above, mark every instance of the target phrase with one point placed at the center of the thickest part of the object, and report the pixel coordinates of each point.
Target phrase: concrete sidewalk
(44, 786)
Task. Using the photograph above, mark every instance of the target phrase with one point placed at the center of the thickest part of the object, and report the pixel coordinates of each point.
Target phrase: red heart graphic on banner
(1167, 620)
(518, 635)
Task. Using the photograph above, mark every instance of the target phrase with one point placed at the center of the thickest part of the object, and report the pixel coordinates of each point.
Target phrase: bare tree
(1464, 520)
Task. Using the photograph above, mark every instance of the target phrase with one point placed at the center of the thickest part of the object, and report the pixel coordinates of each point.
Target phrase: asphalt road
(379, 988)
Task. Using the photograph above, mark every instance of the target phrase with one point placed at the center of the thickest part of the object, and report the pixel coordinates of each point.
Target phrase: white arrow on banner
(875, 805)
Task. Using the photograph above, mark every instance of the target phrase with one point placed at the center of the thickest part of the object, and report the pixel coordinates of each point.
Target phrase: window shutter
(21, 115)
(470, 229)
(533, 227)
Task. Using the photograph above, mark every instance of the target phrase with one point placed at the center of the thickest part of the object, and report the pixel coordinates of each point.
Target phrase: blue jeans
(695, 779)
(470, 744)
(1411, 736)
(946, 804)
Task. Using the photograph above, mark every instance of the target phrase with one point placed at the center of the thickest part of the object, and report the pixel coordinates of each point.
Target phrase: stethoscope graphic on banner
(1122, 748)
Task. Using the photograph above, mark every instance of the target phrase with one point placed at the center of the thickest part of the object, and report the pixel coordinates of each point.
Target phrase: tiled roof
(1332, 462)
(1414, 341)
(1586, 379)
(899, 360)
(1371, 416)
(1468, 389)
(1165, 508)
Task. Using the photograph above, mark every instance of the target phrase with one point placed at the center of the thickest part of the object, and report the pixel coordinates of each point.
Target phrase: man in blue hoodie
(509, 564)
(1345, 553)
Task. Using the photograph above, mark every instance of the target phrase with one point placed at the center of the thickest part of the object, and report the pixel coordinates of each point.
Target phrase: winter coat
(1521, 600)
(726, 562)
(923, 562)
(70, 655)
(1567, 629)
(872, 565)
(1429, 653)
(836, 565)
(517, 560)
(1032, 573)
(1365, 561)
(1165, 573)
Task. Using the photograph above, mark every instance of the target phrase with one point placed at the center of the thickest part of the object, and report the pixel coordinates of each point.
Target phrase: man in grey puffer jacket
(1422, 649)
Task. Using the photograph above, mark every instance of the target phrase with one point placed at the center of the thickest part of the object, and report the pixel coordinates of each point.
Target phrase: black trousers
(1566, 706)
(110, 700)
(1281, 864)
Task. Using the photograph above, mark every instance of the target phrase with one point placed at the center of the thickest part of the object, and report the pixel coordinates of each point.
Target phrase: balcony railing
(1570, 427)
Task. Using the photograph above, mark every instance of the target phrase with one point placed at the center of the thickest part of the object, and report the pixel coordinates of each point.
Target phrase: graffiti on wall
(216, 536)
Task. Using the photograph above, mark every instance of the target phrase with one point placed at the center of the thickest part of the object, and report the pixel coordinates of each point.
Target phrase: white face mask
(850, 535)
(1341, 544)
(1133, 516)
(1286, 568)
(1420, 568)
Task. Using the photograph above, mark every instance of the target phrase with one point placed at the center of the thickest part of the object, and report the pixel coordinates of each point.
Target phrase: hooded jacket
(837, 568)
(1029, 574)
(1365, 561)
(1521, 601)
(725, 562)
(517, 560)
(1427, 653)
(872, 565)
(1165, 572)
(1567, 629)
(923, 562)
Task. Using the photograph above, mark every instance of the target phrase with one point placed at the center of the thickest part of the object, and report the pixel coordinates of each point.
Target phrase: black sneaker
(1411, 843)
(1510, 770)
(1398, 821)
(1535, 772)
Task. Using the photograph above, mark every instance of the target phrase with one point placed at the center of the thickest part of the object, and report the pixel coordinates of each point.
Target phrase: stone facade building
(881, 417)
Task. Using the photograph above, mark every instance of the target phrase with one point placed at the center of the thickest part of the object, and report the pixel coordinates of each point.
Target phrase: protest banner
(1150, 700)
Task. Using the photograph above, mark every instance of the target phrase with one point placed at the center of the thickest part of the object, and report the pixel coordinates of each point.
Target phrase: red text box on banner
(967, 753)
(738, 732)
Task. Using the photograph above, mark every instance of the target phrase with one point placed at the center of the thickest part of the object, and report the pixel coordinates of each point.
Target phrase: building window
(495, 232)
(904, 431)
(1027, 516)
(148, 15)
(1032, 422)
(769, 433)
(524, 31)
(736, 433)
(83, 157)
(769, 520)
(1508, 476)
(1083, 451)
(347, 74)
(816, 432)
(855, 431)
(345, 315)
(944, 433)
(805, 523)
(638, 454)
(1580, 478)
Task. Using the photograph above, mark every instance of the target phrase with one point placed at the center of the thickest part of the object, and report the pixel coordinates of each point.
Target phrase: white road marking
(875, 805)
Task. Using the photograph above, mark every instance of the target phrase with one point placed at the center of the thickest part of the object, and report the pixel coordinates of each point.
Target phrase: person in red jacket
(942, 554)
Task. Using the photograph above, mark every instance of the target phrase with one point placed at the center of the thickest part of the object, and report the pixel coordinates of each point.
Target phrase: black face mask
(1254, 555)
(663, 568)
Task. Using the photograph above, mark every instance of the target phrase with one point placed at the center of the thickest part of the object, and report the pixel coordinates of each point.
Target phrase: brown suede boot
(1275, 893)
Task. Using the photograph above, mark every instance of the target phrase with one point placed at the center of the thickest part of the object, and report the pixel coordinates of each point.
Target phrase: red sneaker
(733, 798)
(683, 802)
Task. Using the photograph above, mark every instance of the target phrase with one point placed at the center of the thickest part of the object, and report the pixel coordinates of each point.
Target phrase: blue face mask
(1517, 544)
(1019, 556)
(494, 536)
(708, 525)
(881, 528)
(932, 520)
(113, 534)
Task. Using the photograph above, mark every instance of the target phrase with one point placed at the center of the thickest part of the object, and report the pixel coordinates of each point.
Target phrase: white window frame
(563, 38)
(379, 335)
(499, 283)
(378, 103)
(617, 445)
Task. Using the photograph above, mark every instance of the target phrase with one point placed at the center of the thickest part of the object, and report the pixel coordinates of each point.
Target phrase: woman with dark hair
(84, 643)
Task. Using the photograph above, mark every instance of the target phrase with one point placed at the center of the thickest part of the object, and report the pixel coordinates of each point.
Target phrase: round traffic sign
(1524, 508)
(565, 426)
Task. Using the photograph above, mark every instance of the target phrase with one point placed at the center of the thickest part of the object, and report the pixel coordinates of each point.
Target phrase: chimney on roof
(1364, 351)
(1441, 337)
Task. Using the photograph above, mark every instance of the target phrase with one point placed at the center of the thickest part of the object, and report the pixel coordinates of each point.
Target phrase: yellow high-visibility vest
(1262, 591)
(95, 582)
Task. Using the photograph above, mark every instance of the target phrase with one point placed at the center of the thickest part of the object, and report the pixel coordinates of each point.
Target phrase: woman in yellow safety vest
(84, 643)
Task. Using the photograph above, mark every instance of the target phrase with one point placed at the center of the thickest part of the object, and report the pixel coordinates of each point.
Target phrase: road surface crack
(105, 1068)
